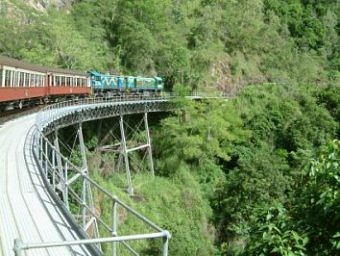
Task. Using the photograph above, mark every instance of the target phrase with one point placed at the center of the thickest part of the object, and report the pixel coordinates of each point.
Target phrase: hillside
(206, 44)
(255, 175)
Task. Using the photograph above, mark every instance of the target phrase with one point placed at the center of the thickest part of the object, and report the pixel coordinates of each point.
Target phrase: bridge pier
(124, 150)
(65, 180)
(124, 153)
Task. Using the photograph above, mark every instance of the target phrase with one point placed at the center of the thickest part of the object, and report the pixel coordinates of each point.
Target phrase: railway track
(16, 113)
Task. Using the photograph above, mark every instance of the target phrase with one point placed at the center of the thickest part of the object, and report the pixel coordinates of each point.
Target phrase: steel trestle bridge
(49, 204)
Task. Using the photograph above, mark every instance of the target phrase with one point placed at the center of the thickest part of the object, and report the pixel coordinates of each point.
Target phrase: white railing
(63, 176)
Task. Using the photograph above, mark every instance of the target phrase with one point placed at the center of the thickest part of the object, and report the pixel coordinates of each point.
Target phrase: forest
(257, 174)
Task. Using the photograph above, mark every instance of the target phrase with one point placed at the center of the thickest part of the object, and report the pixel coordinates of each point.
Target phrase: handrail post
(53, 168)
(41, 150)
(65, 186)
(114, 225)
(166, 239)
(17, 247)
(46, 159)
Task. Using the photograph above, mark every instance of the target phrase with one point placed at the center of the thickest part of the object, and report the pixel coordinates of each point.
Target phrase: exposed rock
(42, 5)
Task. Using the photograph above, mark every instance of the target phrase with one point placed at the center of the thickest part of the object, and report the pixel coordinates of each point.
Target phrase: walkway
(26, 210)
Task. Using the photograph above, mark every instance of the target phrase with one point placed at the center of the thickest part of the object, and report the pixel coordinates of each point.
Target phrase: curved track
(26, 210)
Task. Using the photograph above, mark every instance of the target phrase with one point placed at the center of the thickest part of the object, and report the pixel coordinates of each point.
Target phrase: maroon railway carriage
(22, 83)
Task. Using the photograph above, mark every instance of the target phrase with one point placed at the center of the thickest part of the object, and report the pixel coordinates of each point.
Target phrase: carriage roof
(11, 62)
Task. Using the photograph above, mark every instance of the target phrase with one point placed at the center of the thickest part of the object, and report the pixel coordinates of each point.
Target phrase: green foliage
(50, 39)
(201, 44)
(273, 234)
(287, 118)
(330, 98)
(307, 224)
(176, 205)
(318, 202)
(200, 138)
(285, 122)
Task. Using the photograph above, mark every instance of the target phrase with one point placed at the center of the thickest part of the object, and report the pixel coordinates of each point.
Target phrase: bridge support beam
(148, 138)
(124, 153)
(86, 195)
(124, 150)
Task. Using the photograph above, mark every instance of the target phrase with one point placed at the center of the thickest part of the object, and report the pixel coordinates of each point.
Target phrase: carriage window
(32, 80)
(21, 79)
(16, 79)
(57, 80)
(7, 78)
(39, 80)
(26, 79)
(1, 84)
(36, 81)
(11, 77)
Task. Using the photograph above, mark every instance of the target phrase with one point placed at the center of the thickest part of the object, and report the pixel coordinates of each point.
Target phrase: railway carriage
(22, 83)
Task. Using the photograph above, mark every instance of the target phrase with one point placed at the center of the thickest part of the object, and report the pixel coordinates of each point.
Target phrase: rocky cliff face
(42, 5)
(18, 10)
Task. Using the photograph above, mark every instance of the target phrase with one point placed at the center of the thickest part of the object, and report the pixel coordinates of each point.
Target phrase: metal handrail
(96, 185)
(46, 164)
(19, 246)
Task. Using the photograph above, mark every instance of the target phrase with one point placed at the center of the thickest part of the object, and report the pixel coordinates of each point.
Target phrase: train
(107, 85)
(23, 84)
